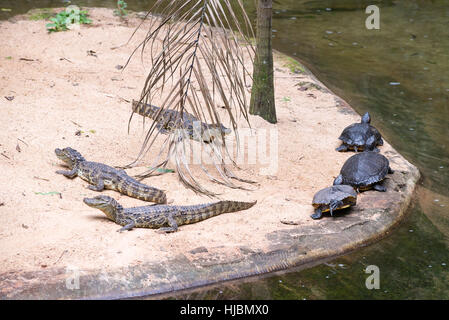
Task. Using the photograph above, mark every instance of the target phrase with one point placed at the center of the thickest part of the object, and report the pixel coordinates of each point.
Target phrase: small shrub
(64, 19)
(121, 8)
(294, 66)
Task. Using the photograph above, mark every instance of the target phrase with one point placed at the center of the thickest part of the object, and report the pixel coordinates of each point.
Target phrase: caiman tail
(145, 110)
(195, 213)
(135, 189)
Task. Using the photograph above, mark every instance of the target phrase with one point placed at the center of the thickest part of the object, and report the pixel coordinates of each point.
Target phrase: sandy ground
(59, 89)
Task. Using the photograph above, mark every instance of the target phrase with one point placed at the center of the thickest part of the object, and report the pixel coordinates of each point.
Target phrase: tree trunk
(262, 95)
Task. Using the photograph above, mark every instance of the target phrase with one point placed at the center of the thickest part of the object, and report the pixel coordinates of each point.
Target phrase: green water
(400, 74)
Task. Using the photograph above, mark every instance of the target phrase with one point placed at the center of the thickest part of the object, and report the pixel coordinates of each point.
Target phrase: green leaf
(48, 193)
(164, 170)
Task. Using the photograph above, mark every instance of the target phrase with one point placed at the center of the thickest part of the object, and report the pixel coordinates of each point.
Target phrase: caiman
(102, 176)
(168, 120)
(166, 218)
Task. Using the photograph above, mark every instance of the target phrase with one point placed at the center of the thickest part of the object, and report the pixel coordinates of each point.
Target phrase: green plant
(121, 8)
(294, 66)
(64, 19)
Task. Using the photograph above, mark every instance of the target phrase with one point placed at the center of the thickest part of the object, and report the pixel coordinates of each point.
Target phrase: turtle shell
(357, 134)
(364, 169)
(339, 192)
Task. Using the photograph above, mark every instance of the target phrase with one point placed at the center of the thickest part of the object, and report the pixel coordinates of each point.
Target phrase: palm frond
(198, 63)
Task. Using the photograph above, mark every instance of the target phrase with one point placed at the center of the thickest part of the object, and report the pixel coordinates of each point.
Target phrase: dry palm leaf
(197, 64)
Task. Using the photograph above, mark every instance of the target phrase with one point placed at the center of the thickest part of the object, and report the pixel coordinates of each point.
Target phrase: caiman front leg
(128, 226)
(98, 185)
(173, 226)
(69, 174)
(161, 127)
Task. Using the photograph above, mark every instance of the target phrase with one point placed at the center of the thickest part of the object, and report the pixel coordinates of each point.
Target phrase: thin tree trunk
(262, 96)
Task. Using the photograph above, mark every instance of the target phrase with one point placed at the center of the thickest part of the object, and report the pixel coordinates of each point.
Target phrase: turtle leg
(318, 214)
(334, 205)
(342, 148)
(379, 187)
(371, 144)
(355, 149)
(380, 142)
(338, 180)
(390, 170)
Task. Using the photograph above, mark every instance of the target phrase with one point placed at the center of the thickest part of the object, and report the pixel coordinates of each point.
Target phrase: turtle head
(70, 156)
(366, 118)
(338, 180)
(106, 204)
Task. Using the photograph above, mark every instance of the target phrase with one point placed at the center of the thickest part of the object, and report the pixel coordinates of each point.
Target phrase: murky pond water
(399, 73)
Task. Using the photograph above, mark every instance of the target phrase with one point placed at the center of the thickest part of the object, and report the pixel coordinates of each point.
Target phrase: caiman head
(106, 204)
(70, 156)
(213, 131)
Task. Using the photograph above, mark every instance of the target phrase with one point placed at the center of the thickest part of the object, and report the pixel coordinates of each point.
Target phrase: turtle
(364, 171)
(360, 136)
(333, 198)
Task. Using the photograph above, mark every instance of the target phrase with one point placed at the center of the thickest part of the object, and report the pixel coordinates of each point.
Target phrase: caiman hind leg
(172, 226)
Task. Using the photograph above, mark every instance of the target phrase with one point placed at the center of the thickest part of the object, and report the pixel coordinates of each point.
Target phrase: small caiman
(168, 120)
(166, 218)
(102, 176)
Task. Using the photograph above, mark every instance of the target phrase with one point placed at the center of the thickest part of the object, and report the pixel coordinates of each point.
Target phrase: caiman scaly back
(166, 218)
(102, 176)
(168, 120)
